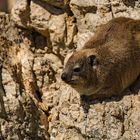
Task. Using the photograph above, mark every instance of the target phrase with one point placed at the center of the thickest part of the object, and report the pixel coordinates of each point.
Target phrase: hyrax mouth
(71, 81)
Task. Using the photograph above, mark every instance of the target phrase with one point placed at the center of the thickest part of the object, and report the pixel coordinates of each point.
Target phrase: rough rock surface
(34, 103)
(20, 116)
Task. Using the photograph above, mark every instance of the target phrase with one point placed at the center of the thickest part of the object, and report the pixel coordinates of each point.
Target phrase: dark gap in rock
(130, 3)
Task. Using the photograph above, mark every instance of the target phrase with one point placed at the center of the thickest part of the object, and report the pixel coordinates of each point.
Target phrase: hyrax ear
(92, 60)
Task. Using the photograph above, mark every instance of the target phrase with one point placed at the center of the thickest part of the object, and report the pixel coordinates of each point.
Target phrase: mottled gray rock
(120, 8)
(95, 119)
(47, 20)
(20, 118)
(90, 14)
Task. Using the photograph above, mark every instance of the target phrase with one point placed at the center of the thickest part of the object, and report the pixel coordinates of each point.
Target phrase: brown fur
(115, 64)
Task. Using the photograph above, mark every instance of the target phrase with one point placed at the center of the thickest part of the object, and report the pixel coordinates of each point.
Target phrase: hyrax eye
(77, 69)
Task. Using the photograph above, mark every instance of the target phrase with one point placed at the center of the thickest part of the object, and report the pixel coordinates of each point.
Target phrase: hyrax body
(109, 62)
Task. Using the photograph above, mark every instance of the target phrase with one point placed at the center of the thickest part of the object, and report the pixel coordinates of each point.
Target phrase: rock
(20, 13)
(89, 14)
(19, 116)
(120, 8)
(41, 19)
(34, 102)
(96, 119)
(81, 38)
(56, 35)
(71, 31)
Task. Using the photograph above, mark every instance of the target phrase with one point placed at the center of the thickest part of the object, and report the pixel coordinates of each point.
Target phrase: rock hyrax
(109, 62)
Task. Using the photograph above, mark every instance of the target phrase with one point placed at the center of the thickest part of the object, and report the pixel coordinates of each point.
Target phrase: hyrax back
(109, 62)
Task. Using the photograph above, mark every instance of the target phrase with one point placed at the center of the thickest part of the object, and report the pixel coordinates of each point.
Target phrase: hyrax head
(80, 69)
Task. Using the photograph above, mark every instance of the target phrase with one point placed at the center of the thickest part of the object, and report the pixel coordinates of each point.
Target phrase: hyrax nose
(64, 76)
